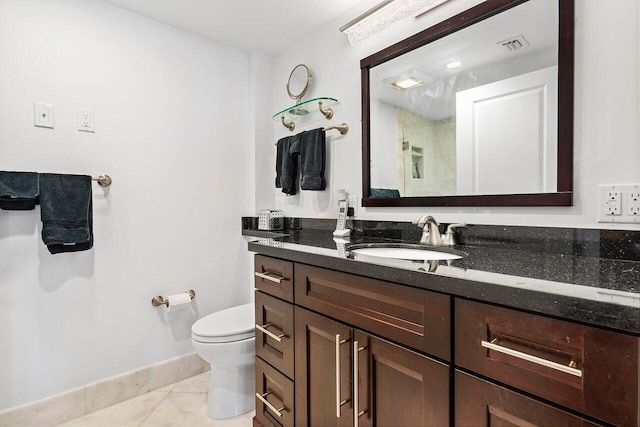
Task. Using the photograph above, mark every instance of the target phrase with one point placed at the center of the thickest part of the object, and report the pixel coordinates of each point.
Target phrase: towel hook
(328, 113)
(291, 126)
(103, 180)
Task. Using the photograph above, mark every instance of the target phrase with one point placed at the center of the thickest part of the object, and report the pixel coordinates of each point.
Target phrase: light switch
(43, 115)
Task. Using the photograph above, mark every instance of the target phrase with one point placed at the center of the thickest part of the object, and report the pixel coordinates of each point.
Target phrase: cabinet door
(398, 387)
(480, 403)
(322, 371)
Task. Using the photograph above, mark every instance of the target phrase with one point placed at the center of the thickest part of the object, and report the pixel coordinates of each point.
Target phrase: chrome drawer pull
(264, 330)
(270, 278)
(356, 393)
(532, 359)
(339, 402)
(262, 397)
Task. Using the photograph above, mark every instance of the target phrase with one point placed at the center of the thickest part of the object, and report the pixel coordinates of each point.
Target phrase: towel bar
(103, 180)
(343, 129)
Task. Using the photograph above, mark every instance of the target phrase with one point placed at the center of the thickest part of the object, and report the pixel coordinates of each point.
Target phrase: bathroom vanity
(343, 341)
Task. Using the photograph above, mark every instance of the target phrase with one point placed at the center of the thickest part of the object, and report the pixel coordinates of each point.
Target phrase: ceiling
(268, 26)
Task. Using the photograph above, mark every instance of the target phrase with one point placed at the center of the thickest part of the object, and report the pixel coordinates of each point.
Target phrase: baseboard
(83, 400)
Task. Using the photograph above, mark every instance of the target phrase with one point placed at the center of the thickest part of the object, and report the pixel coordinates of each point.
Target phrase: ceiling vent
(513, 44)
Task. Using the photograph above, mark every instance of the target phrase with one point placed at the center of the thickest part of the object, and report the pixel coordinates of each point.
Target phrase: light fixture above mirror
(384, 14)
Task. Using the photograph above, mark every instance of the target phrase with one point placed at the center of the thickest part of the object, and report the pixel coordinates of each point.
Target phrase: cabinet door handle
(277, 279)
(263, 399)
(356, 393)
(264, 330)
(339, 402)
(531, 358)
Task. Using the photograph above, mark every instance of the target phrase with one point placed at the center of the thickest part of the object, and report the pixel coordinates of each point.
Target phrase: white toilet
(225, 340)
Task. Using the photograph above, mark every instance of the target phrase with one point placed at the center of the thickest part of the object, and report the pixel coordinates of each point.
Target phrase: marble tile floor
(183, 404)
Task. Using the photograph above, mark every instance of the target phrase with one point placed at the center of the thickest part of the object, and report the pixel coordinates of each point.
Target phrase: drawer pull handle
(263, 399)
(356, 393)
(270, 278)
(339, 402)
(264, 330)
(531, 358)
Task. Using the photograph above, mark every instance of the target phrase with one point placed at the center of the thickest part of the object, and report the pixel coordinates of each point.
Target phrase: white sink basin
(410, 253)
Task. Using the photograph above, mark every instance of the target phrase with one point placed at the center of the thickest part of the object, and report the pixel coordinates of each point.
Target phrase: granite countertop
(567, 284)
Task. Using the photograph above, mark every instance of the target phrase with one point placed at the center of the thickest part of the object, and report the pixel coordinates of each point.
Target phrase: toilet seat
(229, 325)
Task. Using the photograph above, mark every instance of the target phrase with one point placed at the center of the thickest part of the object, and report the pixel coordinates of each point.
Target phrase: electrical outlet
(43, 115)
(612, 203)
(86, 120)
(633, 202)
(619, 203)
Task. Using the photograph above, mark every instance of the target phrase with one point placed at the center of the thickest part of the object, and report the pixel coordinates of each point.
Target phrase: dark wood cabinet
(398, 387)
(323, 371)
(414, 317)
(274, 397)
(274, 332)
(347, 350)
(338, 368)
(590, 370)
(479, 403)
(274, 277)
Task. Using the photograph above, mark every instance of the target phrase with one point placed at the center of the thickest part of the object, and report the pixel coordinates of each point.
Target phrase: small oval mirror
(298, 83)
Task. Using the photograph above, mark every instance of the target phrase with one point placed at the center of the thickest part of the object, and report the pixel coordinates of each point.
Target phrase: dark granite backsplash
(595, 243)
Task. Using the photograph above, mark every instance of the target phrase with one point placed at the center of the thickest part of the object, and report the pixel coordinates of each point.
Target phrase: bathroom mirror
(298, 82)
(474, 111)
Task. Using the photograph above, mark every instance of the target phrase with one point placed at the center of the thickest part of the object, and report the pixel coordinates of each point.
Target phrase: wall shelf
(289, 115)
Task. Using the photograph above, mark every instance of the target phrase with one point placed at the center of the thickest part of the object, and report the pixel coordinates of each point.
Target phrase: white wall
(607, 149)
(172, 131)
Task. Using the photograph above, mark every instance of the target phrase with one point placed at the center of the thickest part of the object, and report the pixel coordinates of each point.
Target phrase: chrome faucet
(449, 238)
(431, 233)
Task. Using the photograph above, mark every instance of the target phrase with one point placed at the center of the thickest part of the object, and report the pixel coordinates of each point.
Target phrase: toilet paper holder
(159, 299)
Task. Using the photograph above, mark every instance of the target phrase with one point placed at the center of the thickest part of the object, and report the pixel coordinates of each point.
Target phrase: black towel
(279, 153)
(312, 160)
(385, 192)
(289, 168)
(18, 190)
(294, 149)
(66, 212)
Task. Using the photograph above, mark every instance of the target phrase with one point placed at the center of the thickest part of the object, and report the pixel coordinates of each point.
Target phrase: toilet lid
(232, 324)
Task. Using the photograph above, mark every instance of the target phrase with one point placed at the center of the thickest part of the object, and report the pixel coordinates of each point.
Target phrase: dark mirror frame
(563, 194)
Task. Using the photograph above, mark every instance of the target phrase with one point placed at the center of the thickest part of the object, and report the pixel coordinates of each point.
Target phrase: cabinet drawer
(274, 277)
(479, 403)
(587, 369)
(274, 332)
(414, 317)
(277, 391)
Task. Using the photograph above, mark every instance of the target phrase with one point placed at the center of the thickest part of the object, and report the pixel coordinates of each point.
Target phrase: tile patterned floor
(183, 404)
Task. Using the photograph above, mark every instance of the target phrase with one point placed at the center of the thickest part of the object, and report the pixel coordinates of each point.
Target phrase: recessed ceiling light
(454, 64)
(407, 83)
